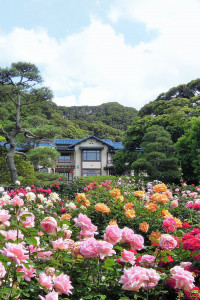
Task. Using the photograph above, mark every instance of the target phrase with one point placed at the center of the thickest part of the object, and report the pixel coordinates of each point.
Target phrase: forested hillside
(108, 120)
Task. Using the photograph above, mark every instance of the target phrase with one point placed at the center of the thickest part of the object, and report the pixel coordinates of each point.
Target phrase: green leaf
(109, 262)
(31, 240)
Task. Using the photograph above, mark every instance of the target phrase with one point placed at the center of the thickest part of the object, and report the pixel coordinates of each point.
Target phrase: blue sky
(95, 51)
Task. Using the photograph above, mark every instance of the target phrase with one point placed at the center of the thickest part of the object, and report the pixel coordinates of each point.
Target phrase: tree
(188, 147)
(122, 160)
(43, 157)
(21, 84)
(158, 156)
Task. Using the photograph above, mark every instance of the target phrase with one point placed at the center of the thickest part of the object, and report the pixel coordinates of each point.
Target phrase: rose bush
(115, 240)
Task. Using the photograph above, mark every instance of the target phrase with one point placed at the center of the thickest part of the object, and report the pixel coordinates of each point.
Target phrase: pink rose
(27, 273)
(174, 204)
(113, 234)
(153, 278)
(45, 281)
(44, 255)
(128, 256)
(16, 252)
(12, 234)
(127, 235)
(85, 223)
(2, 270)
(169, 224)
(17, 201)
(62, 284)
(190, 204)
(147, 260)
(105, 249)
(4, 217)
(184, 279)
(89, 248)
(2, 201)
(138, 277)
(133, 279)
(49, 224)
(167, 242)
(29, 219)
(138, 242)
(50, 296)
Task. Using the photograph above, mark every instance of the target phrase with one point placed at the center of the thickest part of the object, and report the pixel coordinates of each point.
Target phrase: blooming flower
(16, 252)
(184, 279)
(138, 242)
(45, 281)
(49, 224)
(50, 296)
(89, 248)
(4, 217)
(62, 284)
(102, 208)
(2, 270)
(167, 242)
(17, 201)
(128, 256)
(105, 249)
(27, 273)
(144, 227)
(29, 219)
(113, 234)
(169, 224)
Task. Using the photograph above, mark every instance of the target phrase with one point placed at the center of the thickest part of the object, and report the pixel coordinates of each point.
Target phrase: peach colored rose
(144, 227)
(17, 201)
(174, 204)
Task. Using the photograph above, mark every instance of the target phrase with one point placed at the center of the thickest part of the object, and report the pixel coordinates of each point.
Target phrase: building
(90, 156)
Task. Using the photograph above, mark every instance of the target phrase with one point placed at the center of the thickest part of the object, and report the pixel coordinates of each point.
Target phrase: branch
(21, 153)
(5, 133)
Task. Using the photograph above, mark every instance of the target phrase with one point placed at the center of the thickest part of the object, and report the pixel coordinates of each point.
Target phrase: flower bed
(112, 242)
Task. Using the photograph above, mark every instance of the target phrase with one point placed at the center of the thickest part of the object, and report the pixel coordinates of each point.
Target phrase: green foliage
(43, 156)
(24, 168)
(188, 147)
(158, 156)
(98, 179)
(122, 160)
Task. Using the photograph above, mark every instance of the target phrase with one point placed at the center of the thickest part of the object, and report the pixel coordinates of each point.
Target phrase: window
(64, 159)
(91, 155)
(91, 172)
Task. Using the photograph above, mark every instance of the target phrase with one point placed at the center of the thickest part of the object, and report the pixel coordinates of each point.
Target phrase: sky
(91, 52)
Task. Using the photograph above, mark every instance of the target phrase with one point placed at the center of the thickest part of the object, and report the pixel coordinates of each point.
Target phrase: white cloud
(95, 65)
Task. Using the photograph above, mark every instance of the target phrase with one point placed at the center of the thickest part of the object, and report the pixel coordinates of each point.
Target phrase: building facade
(90, 156)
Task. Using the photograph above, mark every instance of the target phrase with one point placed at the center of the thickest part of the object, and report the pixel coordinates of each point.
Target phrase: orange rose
(168, 194)
(128, 206)
(113, 222)
(155, 237)
(115, 193)
(152, 206)
(160, 198)
(130, 213)
(86, 203)
(166, 214)
(119, 198)
(66, 217)
(178, 223)
(40, 233)
(102, 208)
(144, 227)
(80, 197)
(160, 188)
(140, 194)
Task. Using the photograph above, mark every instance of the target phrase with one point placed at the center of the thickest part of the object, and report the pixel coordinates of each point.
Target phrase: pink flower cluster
(61, 283)
(16, 252)
(90, 247)
(85, 223)
(184, 279)
(138, 277)
(169, 224)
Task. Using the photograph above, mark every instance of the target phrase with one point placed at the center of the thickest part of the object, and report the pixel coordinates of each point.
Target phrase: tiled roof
(66, 141)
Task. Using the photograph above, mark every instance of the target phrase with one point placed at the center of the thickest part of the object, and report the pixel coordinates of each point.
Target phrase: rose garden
(108, 240)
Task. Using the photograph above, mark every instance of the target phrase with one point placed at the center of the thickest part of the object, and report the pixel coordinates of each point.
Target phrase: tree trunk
(11, 162)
